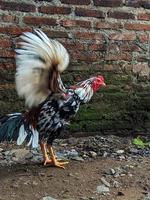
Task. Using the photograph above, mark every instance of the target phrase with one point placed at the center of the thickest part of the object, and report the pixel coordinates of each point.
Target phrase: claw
(55, 163)
(60, 164)
(47, 161)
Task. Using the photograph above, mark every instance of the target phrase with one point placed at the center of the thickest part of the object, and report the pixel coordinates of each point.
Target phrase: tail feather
(36, 60)
(8, 128)
(14, 127)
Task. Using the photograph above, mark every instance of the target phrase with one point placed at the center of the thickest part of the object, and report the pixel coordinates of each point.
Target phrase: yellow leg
(44, 152)
(54, 161)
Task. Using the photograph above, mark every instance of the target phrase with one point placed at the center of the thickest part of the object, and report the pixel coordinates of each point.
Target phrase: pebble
(93, 154)
(122, 157)
(120, 151)
(102, 189)
(116, 184)
(80, 150)
(106, 183)
(147, 198)
(110, 171)
(105, 154)
(35, 183)
(77, 158)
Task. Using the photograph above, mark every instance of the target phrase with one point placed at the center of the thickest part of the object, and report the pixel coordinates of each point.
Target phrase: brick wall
(102, 36)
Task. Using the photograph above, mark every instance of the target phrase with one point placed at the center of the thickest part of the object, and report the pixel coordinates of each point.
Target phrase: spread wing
(39, 62)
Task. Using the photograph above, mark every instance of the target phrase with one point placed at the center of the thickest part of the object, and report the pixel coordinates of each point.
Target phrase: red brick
(97, 47)
(144, 16)
(121, 15)
(133, 3)
(144, 37)
(6, 54)
(116, 57)
(9, 18)
(72, 46)
(17, 6)
(5, 43)
(13, 30)
(137, 26)
(129, 47)
(88, 35)
(89, 13)
(142, 58)
(84, 56)
(76, 2)
(56, 34)
(7, 86)
(106, 25)
(75, 23)
(111, 68)
(122, 36)
(112, 47)
(39, 21)
(141, 68)
(108, 3)
(55, 10)
(7, 65)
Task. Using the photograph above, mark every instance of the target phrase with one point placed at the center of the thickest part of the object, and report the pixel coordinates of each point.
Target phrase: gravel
(80, 149)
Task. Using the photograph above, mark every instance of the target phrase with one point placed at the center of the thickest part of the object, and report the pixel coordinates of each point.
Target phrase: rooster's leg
(54, 161)
(44, 152)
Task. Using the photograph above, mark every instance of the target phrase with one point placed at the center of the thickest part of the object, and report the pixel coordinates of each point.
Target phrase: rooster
(50, 105)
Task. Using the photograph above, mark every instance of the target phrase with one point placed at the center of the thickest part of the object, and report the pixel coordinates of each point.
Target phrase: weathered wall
(102, 36)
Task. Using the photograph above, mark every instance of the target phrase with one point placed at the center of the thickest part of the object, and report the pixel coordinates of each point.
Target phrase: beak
(104, 84)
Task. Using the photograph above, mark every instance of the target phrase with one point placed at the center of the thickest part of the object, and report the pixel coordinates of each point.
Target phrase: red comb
(98, 82)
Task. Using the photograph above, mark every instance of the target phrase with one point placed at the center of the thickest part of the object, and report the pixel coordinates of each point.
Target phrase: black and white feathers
(40, 61)
(35, 60)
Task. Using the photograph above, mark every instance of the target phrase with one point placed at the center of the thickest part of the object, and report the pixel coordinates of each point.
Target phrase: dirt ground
(77, 182)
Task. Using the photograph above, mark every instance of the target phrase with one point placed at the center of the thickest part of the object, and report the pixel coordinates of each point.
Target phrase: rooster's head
(97, 83)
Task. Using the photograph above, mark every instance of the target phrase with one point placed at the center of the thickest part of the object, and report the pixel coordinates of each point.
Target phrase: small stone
(6, 153)
(106, 183)
(134, 151)
(19, 153)
(27, 182)
(122, 157)
(15, 159)
(34, 183)
(63, 144)
(102, 189)
(110, 172)
(105, 154)
(120, 151)
(84, 156)
(130, 175)
(122, 174)
(1, 156)
(116, 175)
(77, 158)
(93, 154)
(115, 184)
(1, 149)
(147, 198)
